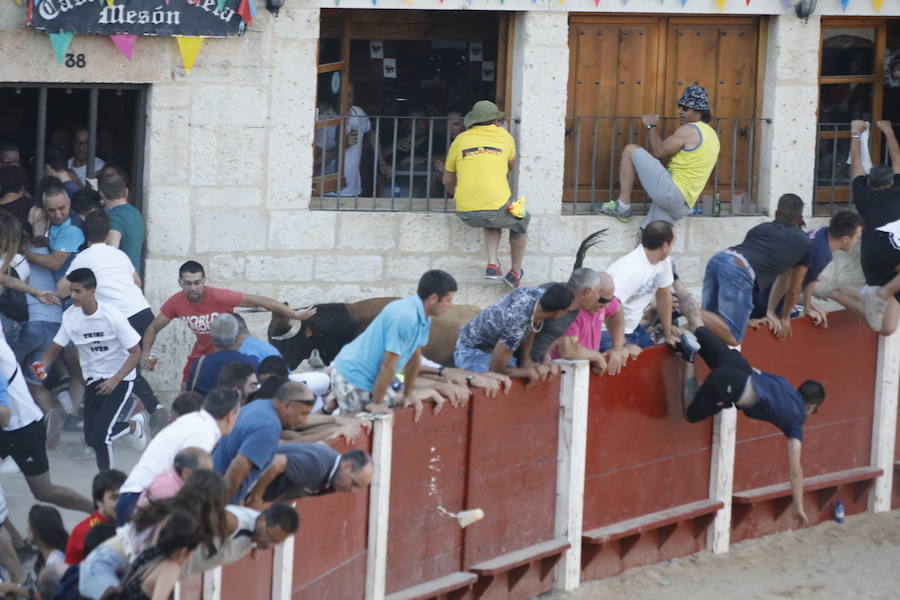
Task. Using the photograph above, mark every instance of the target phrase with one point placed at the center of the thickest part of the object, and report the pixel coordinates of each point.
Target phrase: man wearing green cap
(694, 148)
(476, 173)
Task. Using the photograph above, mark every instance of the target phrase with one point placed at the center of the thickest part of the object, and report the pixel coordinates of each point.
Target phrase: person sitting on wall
(694, 148)
(476, 173)
(300, 470)
(489, 341)
(877, 198)
(642, 275)
(842, 233)
(774, 254)
(760, 395)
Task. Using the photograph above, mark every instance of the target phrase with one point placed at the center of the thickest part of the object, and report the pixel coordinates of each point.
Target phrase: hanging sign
(138, 17)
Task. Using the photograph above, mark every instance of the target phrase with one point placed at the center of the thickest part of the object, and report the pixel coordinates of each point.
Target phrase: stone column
(791, 98)
(540, 75)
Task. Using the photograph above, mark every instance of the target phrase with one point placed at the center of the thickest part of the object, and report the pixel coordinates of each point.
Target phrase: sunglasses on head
(603, 300)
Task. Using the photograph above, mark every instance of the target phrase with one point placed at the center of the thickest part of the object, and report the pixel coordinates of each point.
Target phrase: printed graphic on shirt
(649, 286)
(471, 152)
(200, 324)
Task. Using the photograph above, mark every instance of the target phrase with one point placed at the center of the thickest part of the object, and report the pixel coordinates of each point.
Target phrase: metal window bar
(398, 165)
(596, 142)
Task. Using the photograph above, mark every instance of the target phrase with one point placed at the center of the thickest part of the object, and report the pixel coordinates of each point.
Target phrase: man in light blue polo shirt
(363, 371)
(65, 237)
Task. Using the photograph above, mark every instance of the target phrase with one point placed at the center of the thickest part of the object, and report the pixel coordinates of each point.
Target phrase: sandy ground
(859, 560)
(70, 466)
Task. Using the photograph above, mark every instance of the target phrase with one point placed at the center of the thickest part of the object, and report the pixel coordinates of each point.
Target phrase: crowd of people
(218, 476)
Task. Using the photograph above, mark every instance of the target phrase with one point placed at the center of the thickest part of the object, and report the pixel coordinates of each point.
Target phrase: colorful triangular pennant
(221, 5)
(247, 10)
(596, 2)
(61, 43)
(844, 4)
(683, 2)
(110, 3)
(786, 5)
(877, 4)
(125, 43)
(190, 48)
(720, 4)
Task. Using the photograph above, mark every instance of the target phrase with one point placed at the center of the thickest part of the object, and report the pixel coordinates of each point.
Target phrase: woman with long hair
(48, 535)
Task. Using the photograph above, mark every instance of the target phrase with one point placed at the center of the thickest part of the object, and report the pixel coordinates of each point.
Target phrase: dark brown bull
(336, 324)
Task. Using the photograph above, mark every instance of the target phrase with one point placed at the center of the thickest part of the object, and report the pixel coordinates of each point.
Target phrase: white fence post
(212, 584)
(884, 420)
(283, 569)
(721, 478)
(379, 508)
(573, 413)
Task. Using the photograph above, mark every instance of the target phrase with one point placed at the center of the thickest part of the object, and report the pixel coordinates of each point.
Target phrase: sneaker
(158, 420)
(612, 209)
(54, 428)
(492, 272)
(513, 279)
(138, 437)
(875, 308)
(690, 346)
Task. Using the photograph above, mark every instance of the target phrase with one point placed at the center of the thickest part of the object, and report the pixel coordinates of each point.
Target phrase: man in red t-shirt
(106, 493)
(197, 304)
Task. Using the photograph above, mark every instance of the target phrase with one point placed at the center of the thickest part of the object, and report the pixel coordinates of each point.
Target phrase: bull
(337, 324)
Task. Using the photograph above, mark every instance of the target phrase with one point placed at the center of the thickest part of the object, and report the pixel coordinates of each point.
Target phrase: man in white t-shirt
(640, 276)
(200, 429)
(118, 285)
(108, 352)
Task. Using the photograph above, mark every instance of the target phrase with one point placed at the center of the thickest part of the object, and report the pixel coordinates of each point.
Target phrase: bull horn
(294, 330)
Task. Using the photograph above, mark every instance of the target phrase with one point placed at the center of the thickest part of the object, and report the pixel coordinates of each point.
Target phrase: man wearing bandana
(693, 148)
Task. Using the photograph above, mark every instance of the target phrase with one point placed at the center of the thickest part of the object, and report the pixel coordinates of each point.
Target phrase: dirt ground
(859, 560)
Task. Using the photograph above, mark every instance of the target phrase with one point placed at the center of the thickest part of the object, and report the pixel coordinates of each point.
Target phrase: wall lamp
(273, 6)
(805, 8)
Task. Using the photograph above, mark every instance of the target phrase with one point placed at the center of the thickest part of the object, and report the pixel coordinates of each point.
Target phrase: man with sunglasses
(197, 304)
(694, 150)
(760, 395)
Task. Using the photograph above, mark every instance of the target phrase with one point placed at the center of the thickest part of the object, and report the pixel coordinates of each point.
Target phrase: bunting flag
(61, 43)
(19, 2)
(844, 4)
(786, 5)
(748, 2)
(721, 4)
(247, 10)
(221, 5)
(190, 48)
(597, 3)
(683, 2)
(374, 2)
(877, 4)
(125, 43)
(110, 3)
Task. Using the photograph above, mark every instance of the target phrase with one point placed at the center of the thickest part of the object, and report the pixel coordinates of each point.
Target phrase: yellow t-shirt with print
(480, 158)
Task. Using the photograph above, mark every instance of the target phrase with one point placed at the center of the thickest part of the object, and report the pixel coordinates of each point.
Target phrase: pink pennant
(125, 43)
(786, 5)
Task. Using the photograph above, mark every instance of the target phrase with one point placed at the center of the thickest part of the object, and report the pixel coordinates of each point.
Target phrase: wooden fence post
(884, 420)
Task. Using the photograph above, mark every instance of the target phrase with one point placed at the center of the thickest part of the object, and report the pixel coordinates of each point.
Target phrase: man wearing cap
(694, 148)
(478, 163)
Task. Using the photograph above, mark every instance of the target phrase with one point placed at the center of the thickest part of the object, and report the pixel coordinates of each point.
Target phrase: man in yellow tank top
(694, 148)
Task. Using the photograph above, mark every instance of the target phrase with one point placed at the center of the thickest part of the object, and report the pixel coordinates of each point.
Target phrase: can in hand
(152, 359)
(40, 370)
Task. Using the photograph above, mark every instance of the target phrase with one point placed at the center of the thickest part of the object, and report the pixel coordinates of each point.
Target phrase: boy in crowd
(105, 491)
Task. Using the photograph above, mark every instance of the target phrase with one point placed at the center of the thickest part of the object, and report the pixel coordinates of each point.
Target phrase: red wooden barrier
(643, 457)
(837, 439)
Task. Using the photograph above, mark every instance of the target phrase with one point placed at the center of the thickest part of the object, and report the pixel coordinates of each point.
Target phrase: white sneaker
(875, 308)
(138, 437)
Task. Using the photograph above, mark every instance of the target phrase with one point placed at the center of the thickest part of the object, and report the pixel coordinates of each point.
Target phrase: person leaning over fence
(776, 254)
(694, 148)
(362, 376)
(476, 173)
(760, 395)
(490, 340)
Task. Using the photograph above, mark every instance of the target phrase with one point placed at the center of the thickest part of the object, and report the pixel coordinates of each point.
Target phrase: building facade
(230, 172)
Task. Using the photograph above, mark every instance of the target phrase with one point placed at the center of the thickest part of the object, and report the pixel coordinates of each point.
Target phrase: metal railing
(594, 147)
(396, 164)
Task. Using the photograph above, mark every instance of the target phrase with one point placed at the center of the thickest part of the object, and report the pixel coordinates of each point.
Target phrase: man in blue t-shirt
(65, 238)
(760, 395)
(842, 234)
(242, 455)
(363, 371)
(251, 346)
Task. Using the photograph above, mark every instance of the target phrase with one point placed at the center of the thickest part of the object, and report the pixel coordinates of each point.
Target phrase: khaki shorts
(353, 399)
(496, 219)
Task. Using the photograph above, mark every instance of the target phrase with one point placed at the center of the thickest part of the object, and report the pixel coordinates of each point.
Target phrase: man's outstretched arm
(794, 447)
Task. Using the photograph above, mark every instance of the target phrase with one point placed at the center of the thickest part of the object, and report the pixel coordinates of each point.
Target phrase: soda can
(152, 359)
(39, 370)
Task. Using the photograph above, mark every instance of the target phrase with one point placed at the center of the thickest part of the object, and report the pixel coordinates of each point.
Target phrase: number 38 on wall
(76, 60)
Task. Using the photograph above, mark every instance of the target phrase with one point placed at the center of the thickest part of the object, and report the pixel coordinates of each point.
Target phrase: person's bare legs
(492, 244)
(76, 379)
(697, 317)
(891, 316)
(627, 174)
(9, 558)
(44, 490)
(517, 251)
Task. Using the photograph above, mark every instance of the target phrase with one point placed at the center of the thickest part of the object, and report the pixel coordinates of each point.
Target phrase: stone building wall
(228, 161)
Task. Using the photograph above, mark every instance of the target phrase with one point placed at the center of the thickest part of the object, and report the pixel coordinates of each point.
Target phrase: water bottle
(717, 205)
(839, 511)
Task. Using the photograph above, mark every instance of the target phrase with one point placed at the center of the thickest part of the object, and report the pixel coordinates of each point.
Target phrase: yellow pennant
(110, 3)
(721, 4)
(19, 2)
(877, 4)
(190, 48)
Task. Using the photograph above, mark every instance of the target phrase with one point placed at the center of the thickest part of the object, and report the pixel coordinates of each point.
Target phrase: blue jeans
(99, 572)
(34, 338)
(728, 291)
(473, 359)
(638, 337)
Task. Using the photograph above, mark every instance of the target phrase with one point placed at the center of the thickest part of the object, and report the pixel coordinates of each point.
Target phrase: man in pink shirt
(582, 338)
(167, 483)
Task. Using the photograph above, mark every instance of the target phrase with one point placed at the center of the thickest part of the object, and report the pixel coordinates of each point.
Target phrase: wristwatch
(651, 126)
(469, 380)
(855, 136)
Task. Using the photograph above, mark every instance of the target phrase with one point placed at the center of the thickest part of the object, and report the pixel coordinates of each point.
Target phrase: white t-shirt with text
(102, 340)
(115, 277)
(636, 282)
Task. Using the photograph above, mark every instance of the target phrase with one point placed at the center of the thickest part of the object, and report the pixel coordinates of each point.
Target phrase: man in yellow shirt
(694, 148)
(476, 173)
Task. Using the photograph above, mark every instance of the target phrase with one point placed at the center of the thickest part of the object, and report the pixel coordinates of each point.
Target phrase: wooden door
(621, 68)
